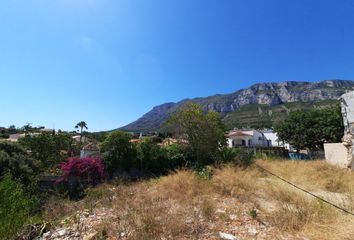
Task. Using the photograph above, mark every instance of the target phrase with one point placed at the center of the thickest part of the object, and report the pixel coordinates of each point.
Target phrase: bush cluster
(13, 159)
(148, 157)
(80, 172)
(50, 149)
(88, 169)
(15, 207)
(237, 156)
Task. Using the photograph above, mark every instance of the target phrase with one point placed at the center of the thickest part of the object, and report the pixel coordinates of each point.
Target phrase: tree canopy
(310, 129)
(14, 160)
(119, 152)
(46, 147)
(204, 132)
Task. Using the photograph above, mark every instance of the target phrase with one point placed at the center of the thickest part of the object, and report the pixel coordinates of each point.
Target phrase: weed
(253, 213)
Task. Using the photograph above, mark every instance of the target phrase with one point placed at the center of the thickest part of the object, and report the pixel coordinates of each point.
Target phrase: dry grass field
(247, 203)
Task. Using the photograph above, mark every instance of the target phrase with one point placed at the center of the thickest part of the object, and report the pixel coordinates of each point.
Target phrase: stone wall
(338, 154)
(347, 105)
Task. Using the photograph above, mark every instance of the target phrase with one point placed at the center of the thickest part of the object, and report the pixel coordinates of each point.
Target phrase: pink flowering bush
(89, 169)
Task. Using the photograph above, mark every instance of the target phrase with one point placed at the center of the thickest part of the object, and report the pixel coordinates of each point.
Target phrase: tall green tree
(12, 129)
(81, 125)
(204, 132)
(310, 129)
(27, 128)
(119, 153)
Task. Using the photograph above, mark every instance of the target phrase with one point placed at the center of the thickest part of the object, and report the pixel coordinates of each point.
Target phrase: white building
(274, 141)
(254, 138)
(247, 138)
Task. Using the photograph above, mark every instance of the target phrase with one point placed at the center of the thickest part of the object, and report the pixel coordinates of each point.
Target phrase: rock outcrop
(262, 93)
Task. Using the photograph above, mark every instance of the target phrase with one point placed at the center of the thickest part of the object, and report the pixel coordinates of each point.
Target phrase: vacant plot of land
(248, 204)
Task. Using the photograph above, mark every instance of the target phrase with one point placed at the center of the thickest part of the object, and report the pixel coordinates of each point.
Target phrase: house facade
(90, 150)
(246, 138)
(254, 138)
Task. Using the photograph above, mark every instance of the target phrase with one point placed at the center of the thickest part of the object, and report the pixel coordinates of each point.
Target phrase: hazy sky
(109, 61)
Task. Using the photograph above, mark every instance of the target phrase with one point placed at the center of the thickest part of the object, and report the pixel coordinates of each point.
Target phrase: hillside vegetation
(247, 203)
(264, 116)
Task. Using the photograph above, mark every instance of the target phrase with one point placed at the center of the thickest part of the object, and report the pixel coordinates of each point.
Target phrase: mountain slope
(261, 95)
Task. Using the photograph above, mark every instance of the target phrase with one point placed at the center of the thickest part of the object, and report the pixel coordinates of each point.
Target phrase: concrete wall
(337, 154)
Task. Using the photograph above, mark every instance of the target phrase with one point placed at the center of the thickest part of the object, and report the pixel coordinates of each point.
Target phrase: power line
(313, 195)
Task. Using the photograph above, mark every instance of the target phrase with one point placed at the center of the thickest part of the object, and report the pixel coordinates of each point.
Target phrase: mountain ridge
(267, 94)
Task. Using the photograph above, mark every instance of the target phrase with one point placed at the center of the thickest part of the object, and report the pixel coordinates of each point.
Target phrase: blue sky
(109, 61)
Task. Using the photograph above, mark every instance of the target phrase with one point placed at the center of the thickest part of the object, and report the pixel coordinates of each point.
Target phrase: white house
(254, 138)
(274, 141)
(247, 138)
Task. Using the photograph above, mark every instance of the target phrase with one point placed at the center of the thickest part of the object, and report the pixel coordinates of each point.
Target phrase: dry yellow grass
(185, 206)
(231, 181)
(314, 174)
(183, 185)
(298, 212)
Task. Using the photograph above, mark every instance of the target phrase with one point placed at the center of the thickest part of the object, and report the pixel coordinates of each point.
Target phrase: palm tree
(81, 125)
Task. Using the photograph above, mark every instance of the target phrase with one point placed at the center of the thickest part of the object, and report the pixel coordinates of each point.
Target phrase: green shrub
(159, 160)
(15, 207)
(204, 131)
(4, 135)
(176, 156)
(11, 148)
(205, 172)
(13, 159)
(118, 152)
(238, 156)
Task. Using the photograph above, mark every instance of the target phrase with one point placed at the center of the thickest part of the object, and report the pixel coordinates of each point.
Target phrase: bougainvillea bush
(88, 169)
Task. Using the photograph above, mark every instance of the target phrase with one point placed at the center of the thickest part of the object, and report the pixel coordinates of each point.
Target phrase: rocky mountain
(260, 94)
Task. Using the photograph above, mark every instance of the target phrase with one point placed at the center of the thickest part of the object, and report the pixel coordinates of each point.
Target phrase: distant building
(246, 138)
(90, 150)
(46, 130)
(83, 139)
(254, 138)
(15, 137)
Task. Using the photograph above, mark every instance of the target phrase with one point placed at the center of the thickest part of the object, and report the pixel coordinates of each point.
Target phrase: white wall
(229, 142)
(337, 154)
(258, 138)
